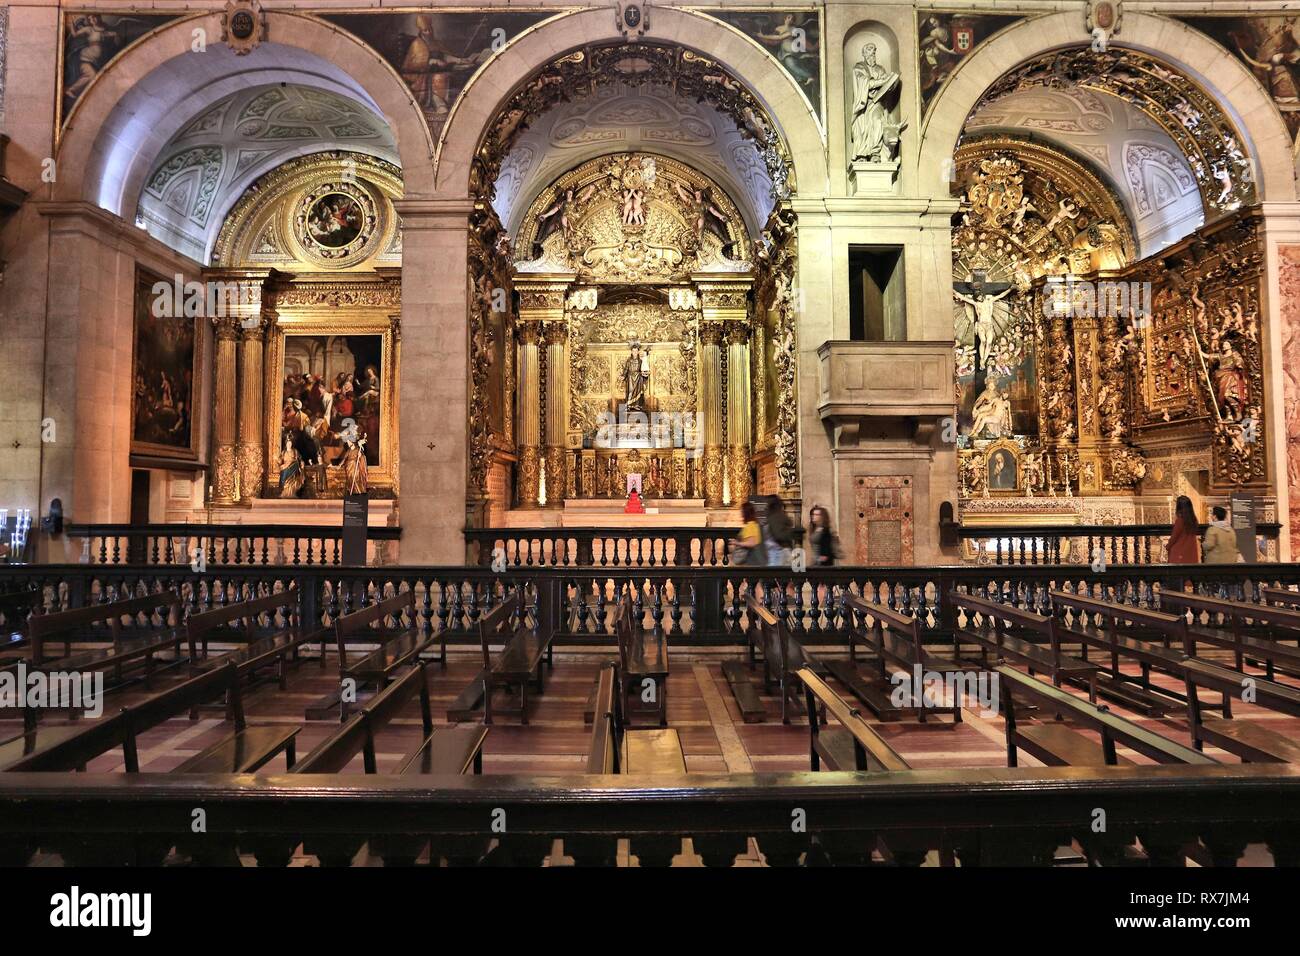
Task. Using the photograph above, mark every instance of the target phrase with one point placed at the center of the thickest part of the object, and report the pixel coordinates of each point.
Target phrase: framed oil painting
(165, 364)
(328, 381)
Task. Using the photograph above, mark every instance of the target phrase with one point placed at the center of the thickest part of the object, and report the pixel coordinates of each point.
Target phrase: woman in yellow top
(747, 547)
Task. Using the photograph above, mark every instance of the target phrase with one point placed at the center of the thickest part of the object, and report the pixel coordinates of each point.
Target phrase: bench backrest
(1173, 626)
(360, 620)
(870, 750)
(358, 733)
(1280, 596)
(886, 618)
(201, 626)
(499, 619)
(624, 628)
(1112, 728)
(606, 725)
(775, 635)
(44, 627)
(1234, 611)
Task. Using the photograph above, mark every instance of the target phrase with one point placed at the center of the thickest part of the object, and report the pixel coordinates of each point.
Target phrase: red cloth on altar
(633, 506)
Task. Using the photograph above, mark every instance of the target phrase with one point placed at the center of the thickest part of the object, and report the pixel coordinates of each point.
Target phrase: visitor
(824, 542)
(1220, 540)
(1184, 546)
(747, 547)
(779, 534)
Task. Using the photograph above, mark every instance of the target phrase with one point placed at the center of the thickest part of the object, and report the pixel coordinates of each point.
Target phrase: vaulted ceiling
(1125, 147)
(625, 118)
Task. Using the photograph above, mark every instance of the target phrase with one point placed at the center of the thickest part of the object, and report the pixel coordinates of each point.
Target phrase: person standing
(824, 542)
(1220, 540)
(747, 547)
(779, 534)
(1184, 544)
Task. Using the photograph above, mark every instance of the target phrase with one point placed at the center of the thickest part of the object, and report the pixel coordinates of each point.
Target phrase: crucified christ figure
(979, 308)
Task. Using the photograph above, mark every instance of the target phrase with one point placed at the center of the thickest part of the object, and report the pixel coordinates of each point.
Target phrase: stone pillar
(556, 335)
(739, 398)
(529, 426)
(226, 329)
(710, 404)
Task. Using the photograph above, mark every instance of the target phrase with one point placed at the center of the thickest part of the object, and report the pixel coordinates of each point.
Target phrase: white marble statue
(874, 135)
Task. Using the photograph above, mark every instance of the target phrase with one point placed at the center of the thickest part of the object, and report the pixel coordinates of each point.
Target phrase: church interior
(577, 433)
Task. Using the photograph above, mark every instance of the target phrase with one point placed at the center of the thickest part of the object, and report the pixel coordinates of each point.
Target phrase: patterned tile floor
(700, 706)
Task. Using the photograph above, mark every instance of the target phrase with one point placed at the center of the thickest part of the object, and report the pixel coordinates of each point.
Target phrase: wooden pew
(854, 745)
(1249, 741)
(783, 655)
(898, 638)
(520, 660)
(1058, 746)
(642, 657)
(102, 623)
(1280, 597)
(17, 606)
(395, 651)
(1000, 633)
(243, 751)
(1128, 632)
(1235, 636)
(274, 648)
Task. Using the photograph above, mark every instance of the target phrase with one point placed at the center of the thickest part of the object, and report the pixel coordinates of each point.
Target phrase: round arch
(94, 148)
(1216, 69)
(490, 88)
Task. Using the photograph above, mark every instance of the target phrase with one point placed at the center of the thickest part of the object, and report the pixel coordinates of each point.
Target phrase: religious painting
(334, 220)
(437, 53)
(1269, 46)
(794, 37)
(945, 39)
(91, 40)
(1003, 470)
(164, 369)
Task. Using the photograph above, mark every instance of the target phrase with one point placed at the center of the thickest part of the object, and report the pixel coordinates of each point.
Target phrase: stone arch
(544, 43)
(104, 145)
(1217, 70)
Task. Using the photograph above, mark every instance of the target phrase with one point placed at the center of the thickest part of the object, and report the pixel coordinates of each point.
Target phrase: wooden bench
(273, 648)
(520, 660)
(1235, 636)
(1248, 740)
(1280, 597)
(1058, 746)
(448, 750)
(101, 624)
(642, 661)
(897, 638)
(1005, 631)
(16, 607)
(783, 655)
(1152, 639)
(71, 748)
(394, 652)
(854, 745)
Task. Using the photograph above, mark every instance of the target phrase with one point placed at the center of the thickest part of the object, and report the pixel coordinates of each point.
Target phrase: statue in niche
(636, 377)
(874, 133)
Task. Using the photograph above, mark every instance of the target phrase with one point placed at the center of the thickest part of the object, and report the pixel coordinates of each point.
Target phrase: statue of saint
(874, 135)
(636, 377)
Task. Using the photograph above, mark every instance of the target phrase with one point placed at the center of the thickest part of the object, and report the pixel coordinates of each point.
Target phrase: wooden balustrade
(1076, 544)
(222, 544)
(599, 547)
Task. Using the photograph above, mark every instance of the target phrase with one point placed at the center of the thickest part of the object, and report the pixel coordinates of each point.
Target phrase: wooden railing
(222, 544)
(690, 605)
(1076, 544)
(599, 547)
(988, 816)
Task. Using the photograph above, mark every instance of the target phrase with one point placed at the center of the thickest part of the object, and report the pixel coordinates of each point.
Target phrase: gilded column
(226, 330)
(710, 403)
(556, 335)
(1086, 385)
(252, 449)
(529, 426)
(738, 406)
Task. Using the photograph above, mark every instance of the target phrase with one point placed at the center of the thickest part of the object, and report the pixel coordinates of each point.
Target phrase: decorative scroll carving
(491, 360)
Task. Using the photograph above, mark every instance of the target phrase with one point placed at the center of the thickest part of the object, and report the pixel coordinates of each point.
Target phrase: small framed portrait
(1003, 464)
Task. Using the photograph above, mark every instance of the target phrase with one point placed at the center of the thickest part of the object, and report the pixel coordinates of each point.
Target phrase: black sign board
(1243, 523)
(356, 518)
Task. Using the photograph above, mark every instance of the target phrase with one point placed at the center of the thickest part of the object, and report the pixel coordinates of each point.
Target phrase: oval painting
(335, 220)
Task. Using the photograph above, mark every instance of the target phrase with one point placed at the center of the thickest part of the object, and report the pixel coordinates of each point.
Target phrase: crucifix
(980, 298)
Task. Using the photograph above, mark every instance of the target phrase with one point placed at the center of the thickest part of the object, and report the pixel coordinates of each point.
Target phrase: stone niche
(879, 126)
